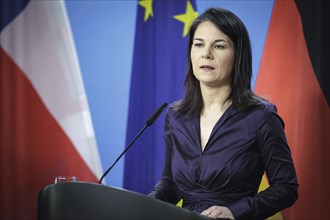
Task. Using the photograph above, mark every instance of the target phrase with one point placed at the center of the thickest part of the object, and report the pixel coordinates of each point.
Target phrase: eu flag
(158, 70)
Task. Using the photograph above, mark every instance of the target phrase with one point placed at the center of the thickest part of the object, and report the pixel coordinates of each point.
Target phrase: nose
(207, 53)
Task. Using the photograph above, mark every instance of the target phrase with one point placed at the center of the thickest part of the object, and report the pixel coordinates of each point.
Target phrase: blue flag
(159, 64)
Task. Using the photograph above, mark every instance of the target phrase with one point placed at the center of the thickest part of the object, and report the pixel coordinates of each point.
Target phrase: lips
(206, 67)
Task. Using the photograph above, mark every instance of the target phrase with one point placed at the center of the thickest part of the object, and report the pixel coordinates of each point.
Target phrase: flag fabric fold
(292, 74)
(45, 125)
(157, 76)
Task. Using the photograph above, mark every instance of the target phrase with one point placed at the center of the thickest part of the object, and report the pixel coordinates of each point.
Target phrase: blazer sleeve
(280, 171)
(166, 189)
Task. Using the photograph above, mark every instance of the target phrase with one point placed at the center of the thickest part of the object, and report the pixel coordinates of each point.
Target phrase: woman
(221, 137)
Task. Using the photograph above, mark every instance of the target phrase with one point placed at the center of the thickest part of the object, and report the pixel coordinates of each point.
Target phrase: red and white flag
(45, 124)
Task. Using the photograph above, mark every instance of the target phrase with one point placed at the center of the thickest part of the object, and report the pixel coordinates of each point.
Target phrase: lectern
(82, 200)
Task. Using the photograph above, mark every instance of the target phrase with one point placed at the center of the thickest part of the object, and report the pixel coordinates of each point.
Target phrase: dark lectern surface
(82, 200)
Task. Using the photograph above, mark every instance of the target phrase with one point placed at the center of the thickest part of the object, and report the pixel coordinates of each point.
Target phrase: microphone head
(153, 118)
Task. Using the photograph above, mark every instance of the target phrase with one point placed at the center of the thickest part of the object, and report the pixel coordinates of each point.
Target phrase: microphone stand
(129, 145)
(149, 122)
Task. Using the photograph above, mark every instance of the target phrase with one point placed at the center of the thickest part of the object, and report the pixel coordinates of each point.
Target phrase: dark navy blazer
(242, 146)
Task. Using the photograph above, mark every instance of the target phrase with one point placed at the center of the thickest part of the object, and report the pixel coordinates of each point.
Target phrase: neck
(216, 97)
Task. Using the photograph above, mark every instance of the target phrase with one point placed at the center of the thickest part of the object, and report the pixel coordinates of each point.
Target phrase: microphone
(148, 123)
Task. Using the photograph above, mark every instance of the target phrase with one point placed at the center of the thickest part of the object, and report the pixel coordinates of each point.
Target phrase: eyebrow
(218, 40)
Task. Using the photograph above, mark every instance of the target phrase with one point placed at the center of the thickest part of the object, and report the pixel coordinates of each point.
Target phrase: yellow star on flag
(147, 5)
(187, 18)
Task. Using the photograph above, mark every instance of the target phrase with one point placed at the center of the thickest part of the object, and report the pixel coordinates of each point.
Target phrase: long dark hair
(241, 95)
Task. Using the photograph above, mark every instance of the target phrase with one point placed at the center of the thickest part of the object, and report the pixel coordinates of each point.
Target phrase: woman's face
(212, 55)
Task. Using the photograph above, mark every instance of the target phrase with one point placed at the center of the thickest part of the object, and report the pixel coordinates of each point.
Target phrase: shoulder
(268, 114)
(174, 115)
(267, 107)
(262, 107)
(173, 110)
(262, 112)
